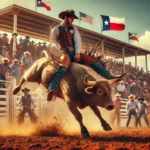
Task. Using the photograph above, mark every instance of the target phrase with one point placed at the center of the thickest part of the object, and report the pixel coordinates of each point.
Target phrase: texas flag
(132, 36)
(44, 3)
(112, 23)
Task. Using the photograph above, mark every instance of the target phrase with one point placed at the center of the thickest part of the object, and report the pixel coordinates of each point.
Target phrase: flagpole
(79, 18)
(101, 23)
(36, 5)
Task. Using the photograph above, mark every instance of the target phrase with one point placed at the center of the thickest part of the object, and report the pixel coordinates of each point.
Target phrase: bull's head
(100, 91)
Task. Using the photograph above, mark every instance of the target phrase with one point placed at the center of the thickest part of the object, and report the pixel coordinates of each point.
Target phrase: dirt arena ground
(117, 139)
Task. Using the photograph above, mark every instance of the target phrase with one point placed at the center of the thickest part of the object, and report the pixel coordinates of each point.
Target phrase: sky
(135, 12)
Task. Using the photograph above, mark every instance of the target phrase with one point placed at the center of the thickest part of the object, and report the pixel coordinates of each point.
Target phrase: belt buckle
(71, 49)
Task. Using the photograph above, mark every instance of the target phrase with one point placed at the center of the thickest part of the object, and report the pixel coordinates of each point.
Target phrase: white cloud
(144, 41)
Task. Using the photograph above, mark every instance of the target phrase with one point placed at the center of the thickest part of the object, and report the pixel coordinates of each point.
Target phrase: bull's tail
(17, 89)
(44, 53)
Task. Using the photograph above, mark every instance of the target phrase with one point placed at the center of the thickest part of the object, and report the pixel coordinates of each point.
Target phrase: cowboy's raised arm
(77, 40)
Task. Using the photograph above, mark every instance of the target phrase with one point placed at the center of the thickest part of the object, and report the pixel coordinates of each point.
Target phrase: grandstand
(16, 19)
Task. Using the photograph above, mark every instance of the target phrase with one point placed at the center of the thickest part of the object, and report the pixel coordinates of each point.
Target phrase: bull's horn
(45, 53)
(112, 81)
(89, 83)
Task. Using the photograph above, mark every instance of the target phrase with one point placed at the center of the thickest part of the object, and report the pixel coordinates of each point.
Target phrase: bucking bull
(79, 88)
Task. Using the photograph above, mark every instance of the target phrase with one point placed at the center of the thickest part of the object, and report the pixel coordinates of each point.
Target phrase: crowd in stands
(135, 82)
(24, 56)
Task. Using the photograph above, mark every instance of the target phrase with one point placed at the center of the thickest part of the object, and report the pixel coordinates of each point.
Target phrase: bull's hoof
(107, 127)
(85, 134)
(16, 90)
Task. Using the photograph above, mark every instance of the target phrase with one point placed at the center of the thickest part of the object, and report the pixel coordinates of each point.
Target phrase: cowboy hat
(27, 52)
(16, 60)
(131, 95)
(121, 81)
(5, 59)
(25, 89)
(15, 34)
(44, 43)
(27, 37)
(5, 34)
(68, 13)
(140, 99)
(117, 95)
(146, 90)
(133, 83)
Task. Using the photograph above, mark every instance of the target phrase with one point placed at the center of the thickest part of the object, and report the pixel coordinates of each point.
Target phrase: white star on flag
(106, 22)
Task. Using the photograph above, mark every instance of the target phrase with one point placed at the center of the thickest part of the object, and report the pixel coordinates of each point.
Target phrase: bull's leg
(104, 124)
(17, 89)
(73, 108)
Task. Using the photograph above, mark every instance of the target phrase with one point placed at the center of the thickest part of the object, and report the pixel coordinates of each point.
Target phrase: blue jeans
(101, 70)
(142, 113)
(129, 118)
(56, 79)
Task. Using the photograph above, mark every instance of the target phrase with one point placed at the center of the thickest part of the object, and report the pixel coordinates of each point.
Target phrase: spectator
(133, 89)
(26, 60)
(5, 51)
(15, 69)
(5, 40)
(25, 42)
(121, 89)
(16, 54)
(146, 95)
(4, 67)
(22, 70)
(11, 41)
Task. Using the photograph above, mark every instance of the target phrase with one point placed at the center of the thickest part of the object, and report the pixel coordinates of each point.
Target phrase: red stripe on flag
(135, 38)
(114, 26)
(46, 6)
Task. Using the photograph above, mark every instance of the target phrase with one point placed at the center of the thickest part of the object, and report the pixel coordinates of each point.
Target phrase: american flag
(86, 18)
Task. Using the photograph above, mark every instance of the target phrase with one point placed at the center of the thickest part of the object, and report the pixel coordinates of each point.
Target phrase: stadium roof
(37, 26)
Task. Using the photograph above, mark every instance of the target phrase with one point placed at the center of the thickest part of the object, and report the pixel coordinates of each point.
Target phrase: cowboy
(27, 103)
(142, 108)
(26, 60)
(67, 37)
(15, 69)
(131, 108)
(117, 104)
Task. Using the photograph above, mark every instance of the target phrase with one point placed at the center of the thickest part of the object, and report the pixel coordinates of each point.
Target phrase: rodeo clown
(67, 37)
(25, 102)
(142, 108)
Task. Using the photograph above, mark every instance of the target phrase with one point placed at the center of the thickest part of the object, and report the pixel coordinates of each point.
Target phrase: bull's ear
(112, 81)
(89, 90)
